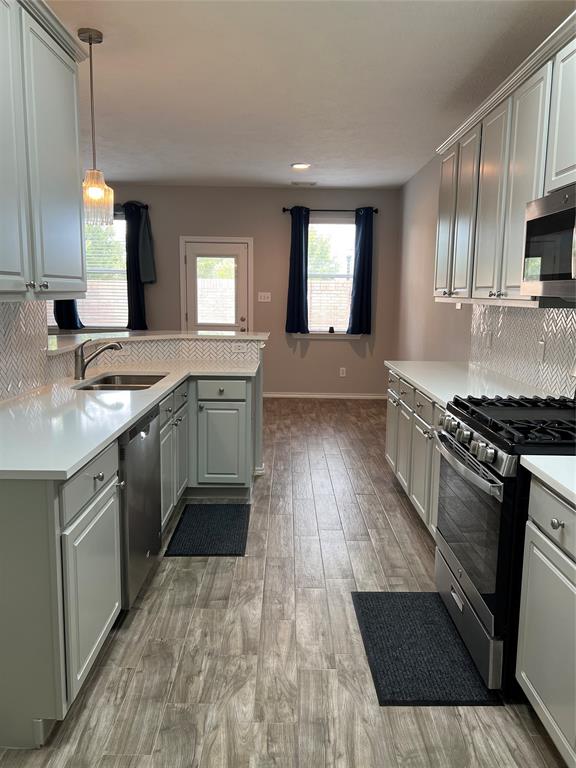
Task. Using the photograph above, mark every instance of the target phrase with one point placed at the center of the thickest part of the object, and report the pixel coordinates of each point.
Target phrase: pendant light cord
(92, 108)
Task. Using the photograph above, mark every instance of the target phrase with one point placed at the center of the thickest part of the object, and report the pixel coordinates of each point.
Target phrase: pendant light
(98, 196)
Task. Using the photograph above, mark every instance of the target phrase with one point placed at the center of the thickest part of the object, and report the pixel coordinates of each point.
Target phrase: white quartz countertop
(66, 342)
(441, 381)
(557, 472)
(51, 432)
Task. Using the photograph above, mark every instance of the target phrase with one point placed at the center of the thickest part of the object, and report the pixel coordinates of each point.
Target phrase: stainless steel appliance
(482, 512)
(140, 502)
(550, 246)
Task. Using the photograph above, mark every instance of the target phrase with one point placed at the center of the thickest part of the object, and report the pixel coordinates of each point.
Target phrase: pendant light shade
(98, 196)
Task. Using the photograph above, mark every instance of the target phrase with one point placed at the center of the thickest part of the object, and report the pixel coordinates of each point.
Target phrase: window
(106, 302)
(330, 273)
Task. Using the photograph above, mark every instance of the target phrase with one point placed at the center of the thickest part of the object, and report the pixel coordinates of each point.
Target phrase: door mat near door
(210, 529)
(416, 656)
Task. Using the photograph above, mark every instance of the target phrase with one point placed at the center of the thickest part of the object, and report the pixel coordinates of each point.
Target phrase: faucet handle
(80, 347)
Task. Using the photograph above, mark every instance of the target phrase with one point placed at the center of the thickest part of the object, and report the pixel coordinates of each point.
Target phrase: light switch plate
(264, 296)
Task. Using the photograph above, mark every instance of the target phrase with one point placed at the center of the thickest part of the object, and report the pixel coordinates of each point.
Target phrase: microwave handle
(491, 488)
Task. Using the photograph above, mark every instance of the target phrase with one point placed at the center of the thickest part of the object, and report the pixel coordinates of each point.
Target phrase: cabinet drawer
(225, 389)
(546, 507)
(91, 479)
(394, 383)
(166, 409)
(406, 393)
(424, 407)
(180, 396)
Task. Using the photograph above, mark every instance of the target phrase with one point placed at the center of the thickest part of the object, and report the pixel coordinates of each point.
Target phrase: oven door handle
(494, 488)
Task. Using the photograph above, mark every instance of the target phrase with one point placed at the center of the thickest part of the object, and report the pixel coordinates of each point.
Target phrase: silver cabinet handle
(175, 423)
(99, 476)
(200, 407)
(121, 484)
(221, 390)
(499, 294)
(402, 391)
(31, 285)
(457, 599)
(168, 410)
(557, 524)
(419, 405)
(425, 432)
(491, 294)
(44, 285)
(430, 435)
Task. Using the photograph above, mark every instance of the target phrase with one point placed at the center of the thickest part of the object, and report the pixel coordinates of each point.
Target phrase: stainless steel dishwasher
(140, 502)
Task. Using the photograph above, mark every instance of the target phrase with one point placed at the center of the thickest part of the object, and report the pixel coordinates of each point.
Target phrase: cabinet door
(491, 201)
(222, 456)
(404, 451)
(546, 663)
(13, 172)
(561, 155)
(434, 487)
(530, 113)
(465, 222)
(181, 436)
(167, 471)
(92, 580)
(50, 78)
(445, 229)
(392, 413)
(421, 457)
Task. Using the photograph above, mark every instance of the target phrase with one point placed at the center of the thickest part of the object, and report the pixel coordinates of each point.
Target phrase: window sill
(318, 336)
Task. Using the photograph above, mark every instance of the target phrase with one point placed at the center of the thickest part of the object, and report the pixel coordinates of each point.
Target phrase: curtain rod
(332, 210)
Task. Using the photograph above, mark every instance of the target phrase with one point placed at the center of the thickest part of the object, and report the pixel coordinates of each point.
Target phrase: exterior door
(216, 295)
(530, 110)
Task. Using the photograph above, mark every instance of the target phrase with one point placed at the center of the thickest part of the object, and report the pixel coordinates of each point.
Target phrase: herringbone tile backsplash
(537, 346)
(22, 347)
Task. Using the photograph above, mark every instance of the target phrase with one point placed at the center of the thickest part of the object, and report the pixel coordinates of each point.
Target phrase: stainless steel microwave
(550, 246)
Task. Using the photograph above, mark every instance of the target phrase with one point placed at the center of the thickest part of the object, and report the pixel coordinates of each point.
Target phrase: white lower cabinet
(392, 413)
(222, 443)
(92, 583)
(421, 463)
(546, 663)
(404, 446)
(167, 471)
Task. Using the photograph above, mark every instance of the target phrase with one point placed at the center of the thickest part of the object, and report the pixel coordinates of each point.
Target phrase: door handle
(457, 599)
(200, 407)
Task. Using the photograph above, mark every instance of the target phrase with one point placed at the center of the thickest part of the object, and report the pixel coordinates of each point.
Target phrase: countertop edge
(553, 479)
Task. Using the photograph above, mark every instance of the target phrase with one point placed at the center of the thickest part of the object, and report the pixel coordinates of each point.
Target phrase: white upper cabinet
(465, 220)
(41, 217)
(445, 230)
(50, 78)
(491, 201)
(561, 155)
(13, 187)
(530, 113)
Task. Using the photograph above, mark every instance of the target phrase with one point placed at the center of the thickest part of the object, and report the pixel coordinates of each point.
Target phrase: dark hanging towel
(140, 266)
(66, 315)
(361, 304)
(297, 309)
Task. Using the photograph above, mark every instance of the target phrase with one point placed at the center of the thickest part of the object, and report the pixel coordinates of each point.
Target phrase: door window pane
(216, 290)
(330, 272)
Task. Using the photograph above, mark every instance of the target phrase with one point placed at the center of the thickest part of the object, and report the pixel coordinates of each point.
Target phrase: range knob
(474, 445)
(453, 426)
(486, 453)
(463, 435)
(481, 451)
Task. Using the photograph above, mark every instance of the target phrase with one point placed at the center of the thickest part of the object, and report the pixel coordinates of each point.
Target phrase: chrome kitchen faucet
(81, 362)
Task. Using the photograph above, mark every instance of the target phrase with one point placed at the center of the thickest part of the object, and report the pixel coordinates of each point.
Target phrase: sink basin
(122, 381)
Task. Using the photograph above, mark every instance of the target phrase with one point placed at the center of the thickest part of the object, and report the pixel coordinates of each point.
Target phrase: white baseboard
(327, 395)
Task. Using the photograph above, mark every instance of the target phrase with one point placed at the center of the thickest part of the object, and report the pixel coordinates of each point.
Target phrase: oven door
(469, 526)
(550, 246)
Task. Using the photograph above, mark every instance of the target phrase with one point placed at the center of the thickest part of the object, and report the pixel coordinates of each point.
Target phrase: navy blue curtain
(297, 309)
(361, 304)
(139, 261)
(66, 315)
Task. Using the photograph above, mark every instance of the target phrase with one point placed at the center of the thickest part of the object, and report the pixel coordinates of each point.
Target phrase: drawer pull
(99, 476)
(121, 484)
(557, 524)
(168, 410)
(221, 390)
(457, 599)
(419, 405)
(402, 391)
(200, 407)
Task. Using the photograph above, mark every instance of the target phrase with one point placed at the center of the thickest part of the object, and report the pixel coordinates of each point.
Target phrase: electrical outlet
(264, 296)
(342, 372)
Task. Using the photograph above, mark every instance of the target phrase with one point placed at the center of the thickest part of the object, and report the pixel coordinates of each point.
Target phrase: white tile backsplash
(537, 346)
(23, 339)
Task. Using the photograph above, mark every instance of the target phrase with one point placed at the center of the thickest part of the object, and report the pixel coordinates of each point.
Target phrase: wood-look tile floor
(257, 662)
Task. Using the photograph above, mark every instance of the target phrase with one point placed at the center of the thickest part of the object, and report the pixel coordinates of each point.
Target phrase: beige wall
(290, 365)
(426, 330)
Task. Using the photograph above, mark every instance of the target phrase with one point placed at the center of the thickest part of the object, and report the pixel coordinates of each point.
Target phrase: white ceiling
(232, 92)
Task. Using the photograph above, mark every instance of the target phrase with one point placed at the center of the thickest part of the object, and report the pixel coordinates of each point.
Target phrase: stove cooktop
(538, 425)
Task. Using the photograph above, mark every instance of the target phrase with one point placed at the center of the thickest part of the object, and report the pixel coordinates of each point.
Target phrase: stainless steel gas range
(482, 512)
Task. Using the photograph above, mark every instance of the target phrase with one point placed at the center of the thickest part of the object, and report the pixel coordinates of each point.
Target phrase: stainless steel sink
(123, 381)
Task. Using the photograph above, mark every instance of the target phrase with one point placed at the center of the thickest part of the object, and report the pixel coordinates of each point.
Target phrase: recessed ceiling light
(300, 166)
